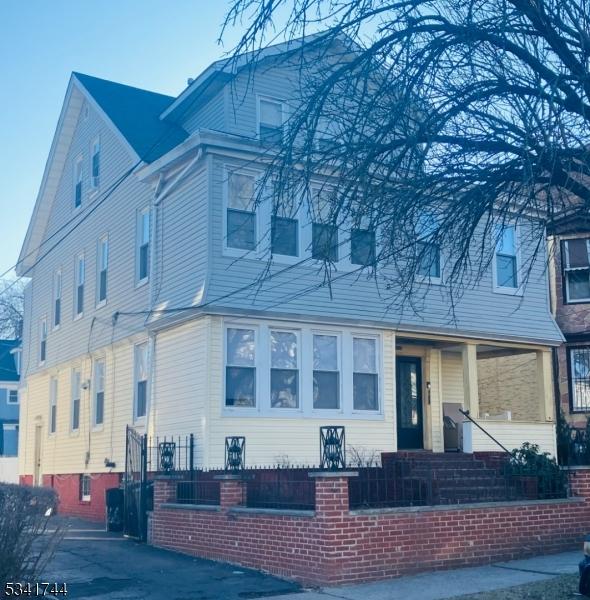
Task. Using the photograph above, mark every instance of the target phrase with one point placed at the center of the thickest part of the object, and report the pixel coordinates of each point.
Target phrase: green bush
(27, 542)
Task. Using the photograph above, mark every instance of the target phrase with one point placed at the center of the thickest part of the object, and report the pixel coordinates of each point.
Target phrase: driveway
(105, 566)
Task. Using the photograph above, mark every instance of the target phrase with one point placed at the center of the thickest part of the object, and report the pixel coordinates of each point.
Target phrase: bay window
(284, 370)
(240, 370)
(241, 211)
(326, 372)
(576, 270)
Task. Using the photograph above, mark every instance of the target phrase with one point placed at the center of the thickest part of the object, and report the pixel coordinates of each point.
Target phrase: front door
(410, 427)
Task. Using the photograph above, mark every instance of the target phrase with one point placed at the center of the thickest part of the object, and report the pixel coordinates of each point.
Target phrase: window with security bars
(576, 269)
(580, 378)
(85, 484)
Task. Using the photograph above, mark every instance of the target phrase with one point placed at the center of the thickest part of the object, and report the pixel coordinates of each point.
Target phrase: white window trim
(138, 230)
(98, 426)
(498, 289)
(101, 239)
(79, 315)
(306, 331)
(434, 280)
(57, 272)
(43, 320)
(140, 421)
(85, 497)
(379, 364)
(95, 187)
(567, 270)
(72, 378)
(258, 218)
(284, 112)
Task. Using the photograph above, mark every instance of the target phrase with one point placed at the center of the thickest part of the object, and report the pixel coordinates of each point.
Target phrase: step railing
(466, 414)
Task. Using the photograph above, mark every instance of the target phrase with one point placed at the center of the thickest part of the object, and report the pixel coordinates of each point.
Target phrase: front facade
(9, 409)
(162, 308)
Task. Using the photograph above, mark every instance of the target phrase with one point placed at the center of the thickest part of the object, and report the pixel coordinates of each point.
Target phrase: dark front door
(410, 428)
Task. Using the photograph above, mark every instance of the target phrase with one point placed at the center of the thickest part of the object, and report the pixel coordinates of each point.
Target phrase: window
(365, 378)
(79, 290)
(76, 391)
(102, 261)
(141, 380)
(12, 396)
(324, 242)
(362, 247)
(240, 370)
(284, 233)
(9, 440)
(57, 285)
(95, 164)
(326, 372)
(85, 483)
(52, 405)
(241, 211)
(99, 376)
(143, 245)
(43, 341)
(270, 121)
(427, 250)
(284, 369)
(576, 268)
(505, 258)
(78, 182)
(580, 378)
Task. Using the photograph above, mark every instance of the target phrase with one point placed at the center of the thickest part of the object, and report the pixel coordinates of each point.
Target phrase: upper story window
(270, 121)
(428, 255)
(580, 378)
(79, 289)
(76, 392)
(240, 370)
(326, 371)
(285, 228)
(576, 270)
(143, 245)
(102, 261)
(53, 405)
(324, 240)
(12, 396)
(78, 171)
(362, 247)
(505, 258)
(57, 290)
(99, 386)
(42, 340)
(241, 211)
(141, 380)
(284, 369)
(95, 164)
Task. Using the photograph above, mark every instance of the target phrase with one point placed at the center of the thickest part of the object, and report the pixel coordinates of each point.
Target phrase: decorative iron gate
(135, 486)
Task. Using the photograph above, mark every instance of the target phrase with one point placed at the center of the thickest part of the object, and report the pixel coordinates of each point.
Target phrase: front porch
(506, 389)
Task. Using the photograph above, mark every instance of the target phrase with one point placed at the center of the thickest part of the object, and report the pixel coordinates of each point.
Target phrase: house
(9, 409)
(142, 251)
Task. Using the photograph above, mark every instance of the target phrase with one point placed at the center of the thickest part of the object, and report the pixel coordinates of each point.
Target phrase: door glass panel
(408, 396)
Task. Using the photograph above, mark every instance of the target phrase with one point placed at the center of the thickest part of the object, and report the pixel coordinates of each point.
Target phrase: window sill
(507, 291)
(101, 304)
(581, 301)
(97, 428)
(141, 283)
(78, 316)
(74, 433)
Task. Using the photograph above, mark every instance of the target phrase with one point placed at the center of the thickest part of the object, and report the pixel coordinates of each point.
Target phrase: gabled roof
(136, 114)
(8, 370)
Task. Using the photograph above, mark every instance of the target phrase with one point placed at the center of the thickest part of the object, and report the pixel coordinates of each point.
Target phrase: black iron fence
(169, 454)
(201, 488)
(279, 488)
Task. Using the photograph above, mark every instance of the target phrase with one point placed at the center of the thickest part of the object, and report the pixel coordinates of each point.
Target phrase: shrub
(27, 542)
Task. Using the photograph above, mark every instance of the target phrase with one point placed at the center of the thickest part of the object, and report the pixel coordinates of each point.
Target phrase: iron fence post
(191, 459)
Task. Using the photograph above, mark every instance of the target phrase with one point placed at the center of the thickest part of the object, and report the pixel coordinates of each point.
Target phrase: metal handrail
(465, 413)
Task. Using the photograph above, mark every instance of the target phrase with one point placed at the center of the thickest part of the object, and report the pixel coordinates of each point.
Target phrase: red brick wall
(68, 491)
(336, 546)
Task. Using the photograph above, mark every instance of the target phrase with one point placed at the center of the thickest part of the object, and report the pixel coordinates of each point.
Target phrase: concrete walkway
(451, 584)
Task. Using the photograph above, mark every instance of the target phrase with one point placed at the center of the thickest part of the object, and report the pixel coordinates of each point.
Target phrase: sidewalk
(452, 584)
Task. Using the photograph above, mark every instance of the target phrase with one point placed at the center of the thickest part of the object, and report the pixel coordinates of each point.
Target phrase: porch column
(545, 384)
(470, 389)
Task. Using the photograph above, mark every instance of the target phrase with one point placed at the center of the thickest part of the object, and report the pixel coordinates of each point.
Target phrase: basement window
(85, 481)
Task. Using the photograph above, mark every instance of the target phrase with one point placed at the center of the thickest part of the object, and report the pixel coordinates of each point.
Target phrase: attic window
(270, 121)
(95, 164)
(577, 270)
(78, 182)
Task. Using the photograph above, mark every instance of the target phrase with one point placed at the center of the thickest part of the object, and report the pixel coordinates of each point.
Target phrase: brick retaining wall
(333, 545)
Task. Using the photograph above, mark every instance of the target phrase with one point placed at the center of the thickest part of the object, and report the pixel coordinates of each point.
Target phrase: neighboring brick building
(569, 251)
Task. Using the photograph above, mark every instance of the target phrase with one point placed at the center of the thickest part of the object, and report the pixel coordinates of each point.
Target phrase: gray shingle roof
(136, 114)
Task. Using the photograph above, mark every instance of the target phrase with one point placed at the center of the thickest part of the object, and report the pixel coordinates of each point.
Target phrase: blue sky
(154, 44)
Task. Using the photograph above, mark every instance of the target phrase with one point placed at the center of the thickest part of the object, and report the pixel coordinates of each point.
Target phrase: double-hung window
(580, 378)
(79, 289)
(326, 371)
(76, 391)
(52, 405)
(143, 245)
(427, 250)
(324, 242)
(241, 211)
(57, 288)
(95, 164)
(362, 247)
(576, 269)
(12, 396)
(240, 370)
(102, 272)
(99, 386)
(505, 258)
(284, 369)
(43, 340)
(270, 121)
(365, 378)
(284, 227)
(78, 172)
(141, 380)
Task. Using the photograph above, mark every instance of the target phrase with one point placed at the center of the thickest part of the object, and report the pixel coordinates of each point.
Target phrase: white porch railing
(511, 434)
